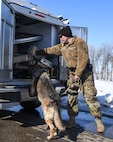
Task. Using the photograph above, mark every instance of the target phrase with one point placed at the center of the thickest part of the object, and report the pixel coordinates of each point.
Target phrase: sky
(96, 15)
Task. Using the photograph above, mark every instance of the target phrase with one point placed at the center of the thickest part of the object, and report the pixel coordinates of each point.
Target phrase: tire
(30, 104)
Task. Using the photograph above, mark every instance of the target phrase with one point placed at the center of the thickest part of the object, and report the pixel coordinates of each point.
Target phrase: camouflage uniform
(76, 57)
(89, 93)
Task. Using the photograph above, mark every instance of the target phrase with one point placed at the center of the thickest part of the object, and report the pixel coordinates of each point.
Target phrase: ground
(19, 125)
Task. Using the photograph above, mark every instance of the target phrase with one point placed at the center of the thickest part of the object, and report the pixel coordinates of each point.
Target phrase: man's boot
(100, 125)
(71, 123)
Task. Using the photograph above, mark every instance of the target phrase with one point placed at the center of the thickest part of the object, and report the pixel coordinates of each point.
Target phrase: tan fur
(50, 102)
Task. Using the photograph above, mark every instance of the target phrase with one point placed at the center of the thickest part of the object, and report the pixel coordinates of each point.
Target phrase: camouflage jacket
(75, 54)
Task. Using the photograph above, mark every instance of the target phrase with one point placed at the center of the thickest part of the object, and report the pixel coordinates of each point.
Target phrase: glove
(40, 52)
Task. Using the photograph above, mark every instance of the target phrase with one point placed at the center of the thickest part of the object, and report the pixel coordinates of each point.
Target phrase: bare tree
(102, 60)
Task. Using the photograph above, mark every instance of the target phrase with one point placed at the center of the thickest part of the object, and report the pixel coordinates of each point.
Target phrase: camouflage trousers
(89, 92)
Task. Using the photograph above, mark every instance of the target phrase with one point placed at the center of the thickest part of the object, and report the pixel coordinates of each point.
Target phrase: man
(75, 53)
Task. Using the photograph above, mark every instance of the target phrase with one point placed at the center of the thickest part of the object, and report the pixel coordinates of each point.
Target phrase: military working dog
(50, 102)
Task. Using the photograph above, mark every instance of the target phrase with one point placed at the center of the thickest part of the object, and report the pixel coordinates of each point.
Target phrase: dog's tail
(58, 121)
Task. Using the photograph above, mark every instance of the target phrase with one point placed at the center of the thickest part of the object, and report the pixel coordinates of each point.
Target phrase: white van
(25, 27)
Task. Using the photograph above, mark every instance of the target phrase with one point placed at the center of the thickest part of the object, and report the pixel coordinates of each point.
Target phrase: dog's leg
(58, 121)
(48, 117)
(53, 132)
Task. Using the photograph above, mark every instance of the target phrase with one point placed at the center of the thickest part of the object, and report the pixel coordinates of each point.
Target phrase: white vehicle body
(26, 27)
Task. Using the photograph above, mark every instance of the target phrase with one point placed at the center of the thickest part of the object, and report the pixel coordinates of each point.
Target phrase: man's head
(65, 33)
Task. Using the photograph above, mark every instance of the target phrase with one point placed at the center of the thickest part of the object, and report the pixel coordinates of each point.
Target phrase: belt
(71, 69)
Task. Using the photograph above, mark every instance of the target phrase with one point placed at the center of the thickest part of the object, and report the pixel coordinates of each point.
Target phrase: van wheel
(30, 104)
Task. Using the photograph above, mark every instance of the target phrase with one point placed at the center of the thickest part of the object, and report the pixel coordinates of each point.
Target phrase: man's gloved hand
(36, 54)
(40, 52)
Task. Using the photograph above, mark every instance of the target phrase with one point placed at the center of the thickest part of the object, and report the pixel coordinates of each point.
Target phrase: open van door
(81, 32)
(6, 41)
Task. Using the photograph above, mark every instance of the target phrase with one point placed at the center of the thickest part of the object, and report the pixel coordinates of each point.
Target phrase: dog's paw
(55, 134)
(49, 137)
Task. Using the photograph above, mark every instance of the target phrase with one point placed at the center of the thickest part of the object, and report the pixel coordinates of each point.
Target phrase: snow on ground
(105, 92)
(104, 95)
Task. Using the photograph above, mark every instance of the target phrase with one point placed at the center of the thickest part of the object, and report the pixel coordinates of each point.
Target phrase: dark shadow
(27, 117)
(5, 113)
(72, 133)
